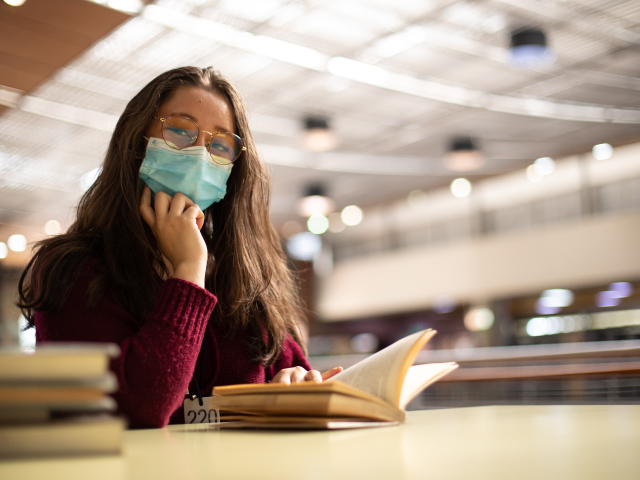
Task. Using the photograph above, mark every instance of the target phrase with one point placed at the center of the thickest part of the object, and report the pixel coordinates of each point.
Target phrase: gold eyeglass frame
(208, 145)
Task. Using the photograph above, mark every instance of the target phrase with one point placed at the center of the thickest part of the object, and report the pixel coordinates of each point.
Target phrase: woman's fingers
(282, 376)
(296, 375)
(178, 204)
(313, 376)
(162, 204)
(330, 373)
(147, 213)
(183, 205)
(196, 214)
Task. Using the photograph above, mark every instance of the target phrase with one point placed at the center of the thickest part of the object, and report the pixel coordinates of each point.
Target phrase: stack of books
(54, 401)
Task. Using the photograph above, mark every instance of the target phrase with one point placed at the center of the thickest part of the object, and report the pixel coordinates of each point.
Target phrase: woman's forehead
(209, 110)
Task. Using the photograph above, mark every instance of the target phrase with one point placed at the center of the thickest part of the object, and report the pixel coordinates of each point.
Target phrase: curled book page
(380, 373)
(421, 376)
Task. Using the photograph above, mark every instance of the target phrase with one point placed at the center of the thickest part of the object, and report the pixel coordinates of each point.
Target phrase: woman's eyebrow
(218, 128)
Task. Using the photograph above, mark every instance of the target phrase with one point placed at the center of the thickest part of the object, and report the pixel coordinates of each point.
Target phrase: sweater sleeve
(157, 359)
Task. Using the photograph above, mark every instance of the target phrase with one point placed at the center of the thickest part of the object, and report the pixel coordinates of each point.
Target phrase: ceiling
(40, 37)
(397, 79)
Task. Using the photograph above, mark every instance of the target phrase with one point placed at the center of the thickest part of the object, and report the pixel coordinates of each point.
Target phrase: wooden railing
(524, 362)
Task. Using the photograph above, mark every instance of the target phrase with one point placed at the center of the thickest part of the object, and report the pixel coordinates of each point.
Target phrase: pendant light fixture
(529, 50)
(463, 156)
(315, 202)
(318, 137)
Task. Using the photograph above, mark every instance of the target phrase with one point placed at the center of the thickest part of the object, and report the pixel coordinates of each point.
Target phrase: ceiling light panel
(470, 15)
(182, 6)
(254, 10)
(333, 29)
(240, 66)
(379, 18)
(404, 9)
(172, 50)
(271, 83)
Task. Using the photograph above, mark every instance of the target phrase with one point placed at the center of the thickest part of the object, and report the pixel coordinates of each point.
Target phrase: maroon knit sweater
(158, 359)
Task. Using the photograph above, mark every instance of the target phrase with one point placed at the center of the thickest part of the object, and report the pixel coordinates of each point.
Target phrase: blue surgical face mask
(190, 171)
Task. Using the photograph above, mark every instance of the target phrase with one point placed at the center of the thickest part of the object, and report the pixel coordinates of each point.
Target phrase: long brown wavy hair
(246, 269)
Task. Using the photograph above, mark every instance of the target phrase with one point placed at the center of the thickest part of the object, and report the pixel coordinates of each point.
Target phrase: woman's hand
(299, 374)
(176, 222)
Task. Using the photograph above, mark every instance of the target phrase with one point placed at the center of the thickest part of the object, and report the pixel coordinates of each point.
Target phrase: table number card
(194, 413)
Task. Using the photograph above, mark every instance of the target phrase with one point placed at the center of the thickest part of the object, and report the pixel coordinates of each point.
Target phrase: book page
(382, 373)
(420, 377)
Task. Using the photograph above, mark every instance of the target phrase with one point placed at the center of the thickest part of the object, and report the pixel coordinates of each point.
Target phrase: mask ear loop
(195, 380)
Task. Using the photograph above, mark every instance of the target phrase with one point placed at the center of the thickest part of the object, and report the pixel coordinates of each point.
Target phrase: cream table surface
(502, 442)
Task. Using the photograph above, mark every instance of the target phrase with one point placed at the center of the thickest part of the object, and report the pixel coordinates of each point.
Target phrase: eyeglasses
(180, 132)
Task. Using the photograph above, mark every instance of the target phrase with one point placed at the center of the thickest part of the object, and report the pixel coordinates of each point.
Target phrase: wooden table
(505, 442)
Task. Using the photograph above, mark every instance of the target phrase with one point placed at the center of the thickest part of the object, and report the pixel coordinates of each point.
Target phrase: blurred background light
(417, 199)
(444, 304)
(529, 49)
(27, 337)
(128, 6)
(537, 326)
(359, 71)
(461, 187)
(621, 289)
(556, 297)
(602, 151)
(607, 299)
(14, 3)
(4, 250)
(318, 137)
(479, 319)
(463, 156)
(304, 246)
(544, 166)
(315, 202)
(17, 243)
(532, 174)
(351, 215)
(317, 224)
(543, 309)
(364, 343)
(52, 227)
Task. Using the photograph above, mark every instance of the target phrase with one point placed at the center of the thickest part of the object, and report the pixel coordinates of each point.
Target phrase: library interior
(347, 238)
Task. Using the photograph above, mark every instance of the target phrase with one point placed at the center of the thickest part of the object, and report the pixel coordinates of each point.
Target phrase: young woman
(176, 224)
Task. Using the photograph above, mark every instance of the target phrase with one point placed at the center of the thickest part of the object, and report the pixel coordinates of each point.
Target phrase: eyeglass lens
(180, 132)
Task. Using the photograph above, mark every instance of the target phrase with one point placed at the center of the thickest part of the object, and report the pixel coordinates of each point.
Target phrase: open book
(372, 392)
